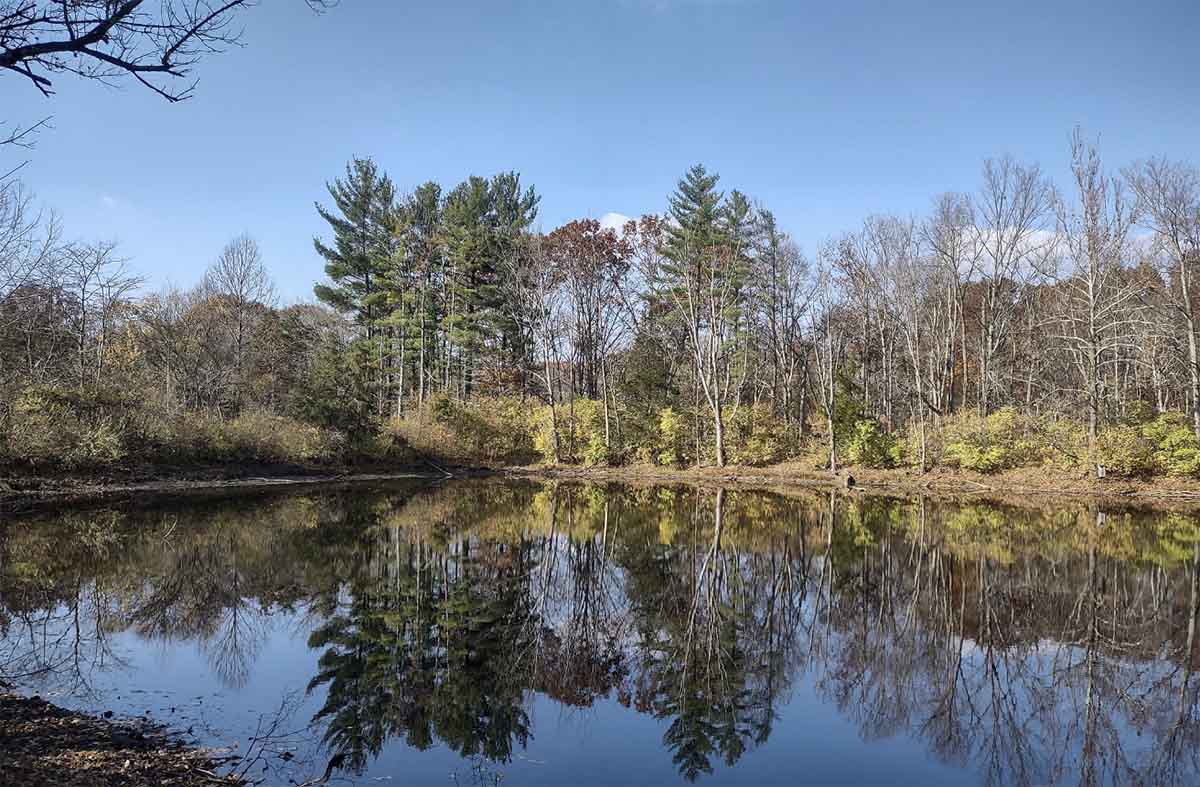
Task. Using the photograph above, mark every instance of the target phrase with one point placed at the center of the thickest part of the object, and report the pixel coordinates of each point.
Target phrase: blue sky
(826, 112)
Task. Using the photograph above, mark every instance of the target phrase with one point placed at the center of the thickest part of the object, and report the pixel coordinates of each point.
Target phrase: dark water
(487, 633)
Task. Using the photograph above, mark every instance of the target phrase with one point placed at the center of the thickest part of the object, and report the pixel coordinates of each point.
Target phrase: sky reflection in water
(479, 632)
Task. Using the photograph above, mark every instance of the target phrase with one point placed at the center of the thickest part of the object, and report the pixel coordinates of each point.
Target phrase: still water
(484, 632)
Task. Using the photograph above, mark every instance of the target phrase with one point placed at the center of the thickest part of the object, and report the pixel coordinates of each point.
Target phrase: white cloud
(613, 220)
(113, 204)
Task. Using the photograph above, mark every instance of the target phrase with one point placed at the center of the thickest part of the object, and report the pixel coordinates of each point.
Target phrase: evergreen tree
(695, 208)
(513, 212)
(364, 205)
(484, 222)
(358, 260)
(704, 270)
(418, 314)
(471, 267)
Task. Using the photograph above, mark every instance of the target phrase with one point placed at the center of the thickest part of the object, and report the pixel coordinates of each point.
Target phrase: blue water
(488, 633)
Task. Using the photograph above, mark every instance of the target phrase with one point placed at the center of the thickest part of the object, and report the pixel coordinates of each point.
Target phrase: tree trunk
(720, 433)
(400, 386)
(1193, 360)
(604, 392)
(831, 412)
(421, 357)
(553, 411)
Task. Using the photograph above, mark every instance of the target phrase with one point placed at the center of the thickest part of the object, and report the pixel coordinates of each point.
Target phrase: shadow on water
(1003, 645)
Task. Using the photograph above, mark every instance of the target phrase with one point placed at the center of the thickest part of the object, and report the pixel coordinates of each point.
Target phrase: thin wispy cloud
(613, 220)
(666, 6)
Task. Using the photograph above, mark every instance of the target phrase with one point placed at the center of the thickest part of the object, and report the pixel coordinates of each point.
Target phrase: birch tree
(1097, 303)
(828, 329)
(1013, 215)
(1168, 198)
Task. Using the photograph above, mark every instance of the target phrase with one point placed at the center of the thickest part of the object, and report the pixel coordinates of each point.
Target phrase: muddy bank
(1025, 482)
(43, 744)
(20, 492)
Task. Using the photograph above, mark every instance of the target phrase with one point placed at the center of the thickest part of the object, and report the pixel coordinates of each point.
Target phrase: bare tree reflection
(1023, 646)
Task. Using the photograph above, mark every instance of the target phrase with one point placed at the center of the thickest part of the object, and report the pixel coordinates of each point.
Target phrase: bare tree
(30, 252)
(828, 331)
(900, 273)
(1013, 211)
(241, 286)
(782, 290)
(1168, 195)
(29, 239)
(155, 43)
(99, 283)
(533, 290)
(949, 236)
(1098, 303)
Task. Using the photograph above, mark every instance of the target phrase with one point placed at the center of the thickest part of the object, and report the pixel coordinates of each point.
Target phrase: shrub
(1176, 450)
(756, 437)
(1003, 440)
(49, 426)
(265, 437)
(29, 433)
(581, 437)
(46, 427)
(870, 445)
(672, 438)
(1063, 443)
(655, 437)
(254, 436)
(1138, 413)
(97, 444)
(814, 453)
(1124, 450)
(490, 430)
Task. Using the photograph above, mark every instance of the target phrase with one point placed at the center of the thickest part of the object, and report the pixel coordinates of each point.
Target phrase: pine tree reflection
(1026, 647)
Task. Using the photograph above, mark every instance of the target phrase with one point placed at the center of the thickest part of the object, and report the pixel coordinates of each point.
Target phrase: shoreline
(1026, 487)
(44, 743)
(939, 481)
(20, 492)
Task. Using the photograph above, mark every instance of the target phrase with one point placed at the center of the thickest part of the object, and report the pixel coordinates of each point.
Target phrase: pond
(487, 632)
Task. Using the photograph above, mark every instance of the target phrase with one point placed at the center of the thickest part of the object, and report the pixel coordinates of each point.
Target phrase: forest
(1025, 323)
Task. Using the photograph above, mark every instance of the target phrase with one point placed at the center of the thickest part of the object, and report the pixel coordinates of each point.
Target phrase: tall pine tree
(704, 270)
(358, 259)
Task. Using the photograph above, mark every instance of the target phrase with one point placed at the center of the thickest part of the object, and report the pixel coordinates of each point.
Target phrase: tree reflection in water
(1028, 646)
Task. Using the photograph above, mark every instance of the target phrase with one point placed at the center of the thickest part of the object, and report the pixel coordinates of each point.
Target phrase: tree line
(1020, 322)
(1074, 301)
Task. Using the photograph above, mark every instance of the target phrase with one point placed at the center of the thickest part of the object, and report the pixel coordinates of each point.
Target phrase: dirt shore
(1041, 484)
(20, 492)
(43, 744)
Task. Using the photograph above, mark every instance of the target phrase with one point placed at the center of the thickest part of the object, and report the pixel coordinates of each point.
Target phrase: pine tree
(364, 205)
(513, 212)
(470, 267)
(357, 262)
(484, 222)
(695, 208)
(703, 277)
(421, 308)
